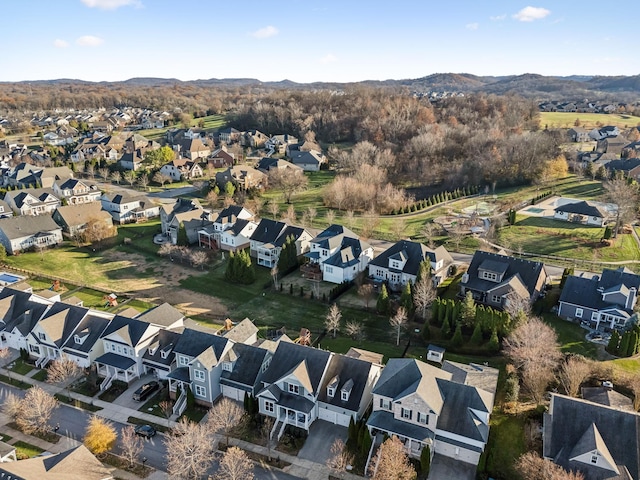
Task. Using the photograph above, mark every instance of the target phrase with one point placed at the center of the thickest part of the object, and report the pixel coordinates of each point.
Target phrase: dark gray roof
(115, 360)
(584, 291)
(611, 278)
(385, 421)
(192, 343)
(289, 355)
(347, 369)
(569, 419)
(180, 373)
(583, 208)
(415, 252)
(163, 315)
(268, 231)
(246, 369)
(237, 226)
(27, 225)
(134, 328)
(92, 326)
(229, 214)
(72, 318)
(22, 313)
(332, 236)
(528, 270)
(607, 397)
(624, 165)
(456, 415)
(290, 231)
(165, 341)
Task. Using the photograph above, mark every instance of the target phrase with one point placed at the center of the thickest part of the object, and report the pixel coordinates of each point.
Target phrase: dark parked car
(145, 390)
(145, 431)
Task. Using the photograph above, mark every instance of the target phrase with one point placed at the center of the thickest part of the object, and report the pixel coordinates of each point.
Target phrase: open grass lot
(506, 443)
(554, 237)
(587, 120)
(211, 122)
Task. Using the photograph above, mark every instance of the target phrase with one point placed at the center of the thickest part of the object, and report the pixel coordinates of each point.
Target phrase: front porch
(413, 437)
(116, 367)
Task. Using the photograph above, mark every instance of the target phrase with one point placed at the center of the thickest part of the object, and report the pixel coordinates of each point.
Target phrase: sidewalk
(301, 468)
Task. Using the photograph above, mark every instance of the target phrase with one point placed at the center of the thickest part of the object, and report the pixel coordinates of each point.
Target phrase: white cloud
(472, 26)
(58, 43)
(529, 14)
(111, 4)
(89, 41)
(498, 18)
(265, 32)
(329, 58)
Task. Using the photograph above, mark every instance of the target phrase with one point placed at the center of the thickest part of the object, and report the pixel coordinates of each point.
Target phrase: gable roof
(241, 332)
(81, 214)
(163, 315)
(349, 373)
(607, 397)
(60, 321)
(585, 292)
(19, 310)
(569, 426)
(130, 329)
(192, 343)
(268, 231)
(90, 328)
(27, 225)
(583, 208)
(165, 340)
(289, 231)
(415, 253)
(247, 366)
(302, 361)
(528, 270)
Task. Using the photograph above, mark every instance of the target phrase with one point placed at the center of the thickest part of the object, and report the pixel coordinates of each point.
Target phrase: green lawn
(545, 236)
(26, 450)
(41, 376)
(211, 122)
(571, 337)
(21, 367)
(587, 120)
(506, 443)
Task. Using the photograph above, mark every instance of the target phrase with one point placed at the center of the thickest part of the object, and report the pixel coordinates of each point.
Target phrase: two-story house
(269, 236)
(32, 201)
(159, 358)
(198, 367)
(279, 143)
(84, 345)
(229, 135)
(426, 406)
(400, 264)
(605, 303)
(173, 216)
(76, 191)
(242, 369)
(126, 208)
(339, 254)
(220, 158)
(21, 233)
(493, 278)
(19, 312)
(291, 385)
(253, 139)
(181, 168)
(211, 236)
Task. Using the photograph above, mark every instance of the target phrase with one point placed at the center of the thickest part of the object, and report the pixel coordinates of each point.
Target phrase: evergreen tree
(633, 344)
(352, 431)
(442, 312)
(406, 298)
(567, 271)
(614, 341)
(457, 339)
(435, 311)
(476, 337)
(624, 344)
(468, 310)
(494, 342)
(425, 461)
(446, 328)
(182, 236)
(382, 305)
(426, 331)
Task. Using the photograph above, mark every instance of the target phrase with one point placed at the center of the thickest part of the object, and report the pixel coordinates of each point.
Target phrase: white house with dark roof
(268, 238)
(339, 254)
(18, 234)
(181, 168)
(76, 191)
(32, 201)
(84, 345)
(447, 409)
(309, 161)
(598, 441)
(493, 278)
(400, 264)
(588, 213)
(129, 208)
(606, 302)
(19, 313)
(211, 236)
(242, 369)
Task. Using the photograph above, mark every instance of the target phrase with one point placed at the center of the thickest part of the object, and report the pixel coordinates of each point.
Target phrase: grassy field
(587, 120)
(211, 122)
(506, 443)
(26, 450)
(554, 237)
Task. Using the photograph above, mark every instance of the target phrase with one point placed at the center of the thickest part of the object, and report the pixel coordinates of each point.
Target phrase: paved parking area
(322, 434)
(446, 468)
(126, 398)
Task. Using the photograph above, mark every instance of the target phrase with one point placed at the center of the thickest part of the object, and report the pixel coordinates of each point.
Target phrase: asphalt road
(73, 423)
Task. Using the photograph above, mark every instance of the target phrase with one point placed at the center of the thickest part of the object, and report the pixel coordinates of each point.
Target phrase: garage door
(333, 417)
(458, 453)
(233, 393)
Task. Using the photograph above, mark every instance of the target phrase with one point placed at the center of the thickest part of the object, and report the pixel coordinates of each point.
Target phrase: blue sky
(307, 40)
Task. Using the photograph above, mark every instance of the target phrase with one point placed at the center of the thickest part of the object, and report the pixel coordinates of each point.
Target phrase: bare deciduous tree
(573, 372)
(274, 276)
(90, 170)
(429, 229)
(533, 348)
(625, 195)
(161, 178)
(330, 216)
(348, 218)
(531, 466)
(62, 371)
(354, 330)
(290, 215)
(130, 177)
(116, 176)
(265, 432)
(189, 449)
(166, 250)
(143, 181)
(290, 181)
(234, 465)
(366, 292)
(35, 411)
(199, 259)
(333, 319)
(130, 444)
(104, 173)
(424, 293)
(340, 458)
(224, 416)
(311, 213)
(391, 462)
(370, 222)
(398, 322)
(12, 406)
(4, 354)
(166, 406)
(399, 228)
(98, 230)
(274, 208)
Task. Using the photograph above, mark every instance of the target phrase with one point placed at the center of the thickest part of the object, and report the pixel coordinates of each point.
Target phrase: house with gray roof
(339, 254)
(309, 161)
(176, 214)
(345, 392)
(243, 366)
(269, 236)
(493, 279)
(85, 345)
(159, 359)
(211, 236)
(74, 219)
(19, 313)
(606, 302)
(198, 367)
(163, 316)
(447, 409)
(587, 213)
(32, 201)
(129, 207)
(400, 264)
(76, 191)
(291, 386)
(21, 233)
(598, 441)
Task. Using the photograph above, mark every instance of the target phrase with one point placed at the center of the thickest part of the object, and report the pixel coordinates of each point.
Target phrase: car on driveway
(145, 390)
(146, 431)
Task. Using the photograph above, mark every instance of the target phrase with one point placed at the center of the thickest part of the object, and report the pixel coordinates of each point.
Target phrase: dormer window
(344, 395)
(227, 366)
(331, 391)
(164, 354)
(78, 339)
(490, 276)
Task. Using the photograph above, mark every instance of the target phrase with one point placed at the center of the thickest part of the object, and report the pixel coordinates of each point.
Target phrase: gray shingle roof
(528, 270)
(347, 369)
(163, 315)
(415, 252)
(246, 370)
(132, 329)
(91, 327)
(583, 208)
(193, 342)
(268, 231)
(27, 225)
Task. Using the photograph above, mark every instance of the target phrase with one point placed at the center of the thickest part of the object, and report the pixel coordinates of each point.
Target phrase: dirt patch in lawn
(160, 282)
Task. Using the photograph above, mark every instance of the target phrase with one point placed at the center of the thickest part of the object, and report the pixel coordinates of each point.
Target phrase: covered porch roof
(115, 360)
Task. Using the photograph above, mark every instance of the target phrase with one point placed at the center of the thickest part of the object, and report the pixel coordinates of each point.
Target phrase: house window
(594, 459)
(200, 391)
(268, 406)
(198, 375)
(344, 396)
(423, 418)
(183, 361)
(34, 349)
(227, 366)
(496, 298)
(579, 312)
(163, 354)
(405, 413)
(331, 392)
(385, 404)
(77, 339)
(42, 336)
(490, 276)
(594, 316)
(294, 389)
(328, 269)
(119, 348)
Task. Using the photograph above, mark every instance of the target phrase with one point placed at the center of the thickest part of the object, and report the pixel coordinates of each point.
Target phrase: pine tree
(614, 341)
(468, 310)
(425, 461)
(624, 344)
(352, 431)
(426, 331)
(457, 339)
(476, 337)
(633, 344)
(445, 330)
(182, 236)
(382, 305)
(494, 342)
(435, 311)
(406, 298)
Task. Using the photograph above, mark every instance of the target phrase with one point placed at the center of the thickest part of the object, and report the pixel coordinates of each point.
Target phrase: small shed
(435, 353)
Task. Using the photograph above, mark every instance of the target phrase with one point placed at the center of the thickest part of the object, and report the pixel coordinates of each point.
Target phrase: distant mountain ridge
(528, 85)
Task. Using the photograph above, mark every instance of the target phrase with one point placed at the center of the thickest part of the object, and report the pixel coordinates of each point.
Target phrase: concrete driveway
(126, 398)
(317, 448)
(446, 468)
